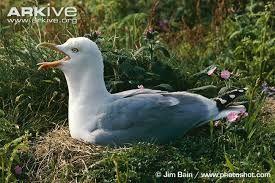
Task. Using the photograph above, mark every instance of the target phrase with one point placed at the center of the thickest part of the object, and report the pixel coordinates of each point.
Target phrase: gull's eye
(75, 50)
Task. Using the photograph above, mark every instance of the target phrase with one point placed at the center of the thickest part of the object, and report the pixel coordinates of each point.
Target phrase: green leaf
(2, 113)
(223, 90)
(251, 133)
(235, 34)
(204, 71)
(228, 163)
(126, 69)
(207, 91)
(163, 50)
(48, 81)
(211, 129)
(151, 74)
(140, 50)
(164, 86)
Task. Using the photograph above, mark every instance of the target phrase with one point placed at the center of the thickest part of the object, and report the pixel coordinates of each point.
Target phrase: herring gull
(99, 117)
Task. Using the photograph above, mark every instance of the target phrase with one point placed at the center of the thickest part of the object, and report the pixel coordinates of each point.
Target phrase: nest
(57, 155)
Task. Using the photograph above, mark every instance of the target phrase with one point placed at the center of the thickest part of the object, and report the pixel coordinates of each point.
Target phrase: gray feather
(151, 114)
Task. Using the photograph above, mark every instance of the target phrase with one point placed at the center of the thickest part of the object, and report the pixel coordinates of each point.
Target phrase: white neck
(87, 92)
(86, 87)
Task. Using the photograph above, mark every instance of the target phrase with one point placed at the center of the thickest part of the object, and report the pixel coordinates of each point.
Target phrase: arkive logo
(42, 15)
(42, 11)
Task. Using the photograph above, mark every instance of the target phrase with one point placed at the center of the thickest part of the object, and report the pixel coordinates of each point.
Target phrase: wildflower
(18, 170)
(211, 71)
(232, 117)
(225, 74)
(163, 25)
(93, 35)
(97, 33)
(140, 87)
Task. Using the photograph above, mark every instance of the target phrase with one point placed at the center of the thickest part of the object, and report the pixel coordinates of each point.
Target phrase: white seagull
(99, 117)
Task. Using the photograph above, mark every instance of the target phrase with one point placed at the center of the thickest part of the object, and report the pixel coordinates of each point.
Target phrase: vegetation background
(169, 45)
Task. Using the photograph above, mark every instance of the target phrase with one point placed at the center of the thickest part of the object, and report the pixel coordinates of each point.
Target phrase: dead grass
(269, 109)
(57, 156)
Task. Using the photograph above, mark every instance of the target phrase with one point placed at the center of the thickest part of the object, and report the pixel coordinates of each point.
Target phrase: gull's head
(80, 54)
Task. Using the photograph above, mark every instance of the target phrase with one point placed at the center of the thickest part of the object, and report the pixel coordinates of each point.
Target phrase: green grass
(32, 102)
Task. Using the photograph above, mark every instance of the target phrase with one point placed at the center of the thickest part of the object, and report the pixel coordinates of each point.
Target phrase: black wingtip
(224, 100)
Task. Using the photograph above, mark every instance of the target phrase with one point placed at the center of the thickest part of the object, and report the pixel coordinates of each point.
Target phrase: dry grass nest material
(269, 109)
(57, 154)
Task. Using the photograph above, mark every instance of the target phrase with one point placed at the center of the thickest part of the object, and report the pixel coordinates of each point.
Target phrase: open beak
(53, 64)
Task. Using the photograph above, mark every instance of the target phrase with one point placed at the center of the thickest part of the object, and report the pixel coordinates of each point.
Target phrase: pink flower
(18, 170)
(225, 74)
(211, 71)
(140, 87)
(235, 116)
(98, 33)
(232, 117)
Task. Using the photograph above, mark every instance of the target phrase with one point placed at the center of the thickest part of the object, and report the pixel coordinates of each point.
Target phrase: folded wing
(157, 114)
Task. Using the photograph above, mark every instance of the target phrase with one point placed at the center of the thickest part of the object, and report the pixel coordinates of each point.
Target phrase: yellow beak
(54, 64)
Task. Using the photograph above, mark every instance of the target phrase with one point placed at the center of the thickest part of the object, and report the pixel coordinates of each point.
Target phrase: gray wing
(153, 113)
(130, 93)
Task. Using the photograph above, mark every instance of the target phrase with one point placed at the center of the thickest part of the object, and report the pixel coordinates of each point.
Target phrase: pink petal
(98, 33)
(18, 170)
(232, 117)
(225, 74)
(211, 71)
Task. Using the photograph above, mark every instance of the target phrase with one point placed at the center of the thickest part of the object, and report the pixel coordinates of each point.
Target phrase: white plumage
(98, 117)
